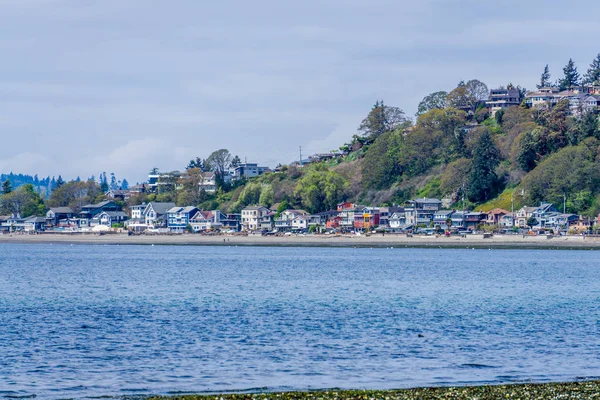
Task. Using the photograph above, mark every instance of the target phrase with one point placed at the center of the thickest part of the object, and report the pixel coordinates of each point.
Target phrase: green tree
(381, 161)
(59, 182)
(218, 162)
(267, 196)
(593, 73)
(527, 156)
(483, 180)
(570, 78)
(468, 95)
(545, 78)
(6, 187)
(320, 189)
(24, 201)
(382, 119)
(531, 222)
(235, 161)
(432, 101)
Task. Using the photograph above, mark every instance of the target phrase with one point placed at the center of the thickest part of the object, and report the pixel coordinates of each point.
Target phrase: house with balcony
(246, 170)
(108, 218)
(366, 218)
(208, 183)
(292, 220)
(421, 211)
(494, 216)
(155, 214)
(474, 218)
(522, 216)
(321, 219)
(207, 220)
(503, 98)
(253, 217)
(60, 216)
(443, 218)
(178, 218)
(397, 221)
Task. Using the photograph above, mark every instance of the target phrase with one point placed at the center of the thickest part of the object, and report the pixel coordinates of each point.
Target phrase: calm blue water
(79, 321)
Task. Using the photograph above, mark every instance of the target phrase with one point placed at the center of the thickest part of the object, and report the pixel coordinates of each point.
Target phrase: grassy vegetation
(502, 201)
(572, 390)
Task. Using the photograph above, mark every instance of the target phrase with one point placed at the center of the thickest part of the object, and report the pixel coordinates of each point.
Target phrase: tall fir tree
(484, 181)
(545, 78)
(571, 76)
(593, 73)
(59, 182)
(6, 187)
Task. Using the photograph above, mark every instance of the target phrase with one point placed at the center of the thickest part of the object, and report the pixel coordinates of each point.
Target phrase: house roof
(498, 211)
(62, 210)
(187, 209)
(255, 208)
(99, 205)
(161, 208)
(114, 214)
(34, 219)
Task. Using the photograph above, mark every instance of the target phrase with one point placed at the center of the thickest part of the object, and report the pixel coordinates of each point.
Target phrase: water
(80, 321)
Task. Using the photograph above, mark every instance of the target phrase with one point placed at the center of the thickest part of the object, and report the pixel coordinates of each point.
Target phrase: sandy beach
(375, 240)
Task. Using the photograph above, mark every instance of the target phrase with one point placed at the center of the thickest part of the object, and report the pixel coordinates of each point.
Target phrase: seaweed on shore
(571, 390)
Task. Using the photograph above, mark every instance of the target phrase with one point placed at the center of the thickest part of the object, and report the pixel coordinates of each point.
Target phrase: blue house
(179, 217)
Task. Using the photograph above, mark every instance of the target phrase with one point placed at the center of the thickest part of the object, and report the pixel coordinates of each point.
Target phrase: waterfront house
(321, 219)
(178, 218)
(458, 219)
(421, 211)
(108, 218)
(207, 220)
(507, 221)
(522, 215)
(252, 217)
(366, 218)
(290, 220)
(443, 218)
(474, 219)
(494, 216)
(232, 221)
(397, 221)
(543, 213)
(59, 216)
(154, 214)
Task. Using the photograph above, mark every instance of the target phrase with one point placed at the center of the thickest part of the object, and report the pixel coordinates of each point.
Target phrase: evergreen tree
(571, 76)
(593, 73)
(235, 162)
(483, 181)
(545, 78)
(124, 184)
(6, 187)
(59, 182)
(113, 181)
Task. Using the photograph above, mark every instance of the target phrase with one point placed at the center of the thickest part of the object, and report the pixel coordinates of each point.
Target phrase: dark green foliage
(528, 150)
(593, 73)
(6, 187)
(498, 117)
(24, 201)
(570, 78)
(432, 101)
(320, 189)
(568, 171)
(381, 161)
(531, 222)
(483, 183)
(545, 78)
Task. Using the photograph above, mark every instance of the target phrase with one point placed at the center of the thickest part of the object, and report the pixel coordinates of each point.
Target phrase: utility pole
(564, 203)
(300, 163)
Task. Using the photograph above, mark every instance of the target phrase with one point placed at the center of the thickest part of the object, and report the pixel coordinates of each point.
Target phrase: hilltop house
(502, 98)
(208, 182)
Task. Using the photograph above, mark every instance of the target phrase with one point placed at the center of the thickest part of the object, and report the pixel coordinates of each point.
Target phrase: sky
(122, 86)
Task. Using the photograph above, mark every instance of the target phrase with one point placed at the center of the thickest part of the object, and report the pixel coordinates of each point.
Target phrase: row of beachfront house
(413, 214)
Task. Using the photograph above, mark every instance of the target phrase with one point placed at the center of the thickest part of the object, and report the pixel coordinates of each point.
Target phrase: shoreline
(372, 241)
(571, 390)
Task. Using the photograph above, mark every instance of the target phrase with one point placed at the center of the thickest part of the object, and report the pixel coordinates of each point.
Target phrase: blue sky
(125, 85)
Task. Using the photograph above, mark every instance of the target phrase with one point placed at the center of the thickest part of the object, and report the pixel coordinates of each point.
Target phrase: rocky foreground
(572, 390)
